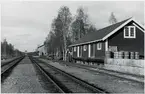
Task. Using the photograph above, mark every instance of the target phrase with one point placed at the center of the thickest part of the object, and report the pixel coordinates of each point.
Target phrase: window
(126, 31)
(99, 46)
(129, 32)
(85, 47)
(74, 49)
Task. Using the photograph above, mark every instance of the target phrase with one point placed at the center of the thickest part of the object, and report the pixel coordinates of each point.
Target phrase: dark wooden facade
(128, 44)
(94, 53)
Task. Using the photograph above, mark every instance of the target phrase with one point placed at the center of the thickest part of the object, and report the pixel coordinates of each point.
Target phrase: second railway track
(66, 82)
(5, 67)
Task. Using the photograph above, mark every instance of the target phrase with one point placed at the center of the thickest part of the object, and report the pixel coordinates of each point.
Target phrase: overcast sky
(26, 24)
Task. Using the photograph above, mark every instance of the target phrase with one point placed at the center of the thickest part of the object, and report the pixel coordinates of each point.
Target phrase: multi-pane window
(129, 32)
(99, 46)
(126, 31)
(132, 32)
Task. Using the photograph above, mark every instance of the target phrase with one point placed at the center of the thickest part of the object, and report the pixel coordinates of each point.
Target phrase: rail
(44, 72)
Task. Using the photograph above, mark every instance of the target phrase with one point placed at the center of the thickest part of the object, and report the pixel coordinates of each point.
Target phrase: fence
(122, 55)
(126, 62)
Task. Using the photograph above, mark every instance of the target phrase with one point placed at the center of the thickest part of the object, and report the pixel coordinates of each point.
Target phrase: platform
(23, 79)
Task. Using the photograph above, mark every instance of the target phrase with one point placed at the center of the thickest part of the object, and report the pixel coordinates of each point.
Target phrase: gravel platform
(24, 79)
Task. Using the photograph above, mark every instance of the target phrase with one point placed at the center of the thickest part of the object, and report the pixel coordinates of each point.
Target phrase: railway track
(7, 66)
(5, 63)
(57, 89)
(66, 82)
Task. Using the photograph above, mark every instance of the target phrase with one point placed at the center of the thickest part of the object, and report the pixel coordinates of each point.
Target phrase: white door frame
(78, 51)
(89, 50)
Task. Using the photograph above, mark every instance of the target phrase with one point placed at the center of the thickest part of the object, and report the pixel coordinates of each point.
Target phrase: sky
(26, 24)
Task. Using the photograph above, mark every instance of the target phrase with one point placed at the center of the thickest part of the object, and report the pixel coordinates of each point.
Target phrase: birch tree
(65, 17)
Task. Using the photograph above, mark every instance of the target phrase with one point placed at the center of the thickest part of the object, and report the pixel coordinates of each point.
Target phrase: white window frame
(74, 49)
(85, 47)
(99, 46)
(129, 31)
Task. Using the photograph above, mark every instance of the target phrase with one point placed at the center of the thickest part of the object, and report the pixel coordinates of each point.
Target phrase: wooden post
(120, 55)
(126, 55)
(108, 54)
(131, 55)
(115, 54)
(136, 55)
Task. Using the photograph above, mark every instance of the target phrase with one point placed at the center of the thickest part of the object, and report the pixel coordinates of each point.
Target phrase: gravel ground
(23, 79)
(108, 83)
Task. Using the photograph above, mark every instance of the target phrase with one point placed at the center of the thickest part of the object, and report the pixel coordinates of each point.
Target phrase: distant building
(42, 50)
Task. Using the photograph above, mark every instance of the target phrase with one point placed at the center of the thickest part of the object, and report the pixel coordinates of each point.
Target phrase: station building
(127, 35)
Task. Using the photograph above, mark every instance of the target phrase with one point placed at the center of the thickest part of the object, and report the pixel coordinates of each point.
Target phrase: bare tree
(112, 19)
(63, 29)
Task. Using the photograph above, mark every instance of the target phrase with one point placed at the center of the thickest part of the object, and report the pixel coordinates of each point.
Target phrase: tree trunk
(65, 48)
(65, 45)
